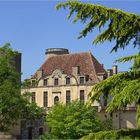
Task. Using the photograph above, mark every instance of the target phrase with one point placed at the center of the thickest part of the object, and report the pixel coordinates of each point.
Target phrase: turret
(55, 51)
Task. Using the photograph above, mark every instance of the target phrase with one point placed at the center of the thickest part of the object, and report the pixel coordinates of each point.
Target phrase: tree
(121, 26)
(13, 105)
(71, 121)
(124, 28)
(124, 89)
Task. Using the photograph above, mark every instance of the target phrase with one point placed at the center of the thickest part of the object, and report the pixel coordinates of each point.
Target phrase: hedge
(122, 134)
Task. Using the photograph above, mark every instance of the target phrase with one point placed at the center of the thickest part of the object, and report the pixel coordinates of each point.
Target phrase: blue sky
(33, 26)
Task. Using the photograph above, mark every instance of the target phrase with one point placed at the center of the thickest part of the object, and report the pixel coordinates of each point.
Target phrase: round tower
(55, 51)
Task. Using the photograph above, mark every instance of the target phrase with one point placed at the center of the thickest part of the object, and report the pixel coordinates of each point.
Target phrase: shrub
(71, 121)
(107, 125)
(121, 134)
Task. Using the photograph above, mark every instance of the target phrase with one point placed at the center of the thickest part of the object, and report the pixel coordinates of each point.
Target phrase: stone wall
(121, 119)
(32, 129)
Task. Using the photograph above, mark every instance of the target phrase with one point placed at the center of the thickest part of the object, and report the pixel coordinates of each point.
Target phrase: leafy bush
(107, 125)
(121, 134)
(71, 121)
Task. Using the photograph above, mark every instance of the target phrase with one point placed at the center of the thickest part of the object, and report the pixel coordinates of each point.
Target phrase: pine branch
(135, 58)
(127, 58)
(123, 88)
(122, 26)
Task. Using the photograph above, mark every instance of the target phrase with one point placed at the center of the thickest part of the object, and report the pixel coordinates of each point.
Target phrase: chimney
(109, 72)
(39, 74)
(115, 69)
(76, 70)
(55, 51)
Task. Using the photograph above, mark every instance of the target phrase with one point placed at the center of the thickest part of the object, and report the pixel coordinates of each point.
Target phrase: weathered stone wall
(74, 87)
(121, 119)
(35, 126)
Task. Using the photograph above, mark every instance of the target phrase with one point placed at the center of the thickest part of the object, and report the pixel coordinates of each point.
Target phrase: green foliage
(26, 83)
(135, 58)
(122, 26)
(30, 111)
(124, 134)
(107, 125)
(47, 136)
(13, 105)
(123, 87)
(72, 121)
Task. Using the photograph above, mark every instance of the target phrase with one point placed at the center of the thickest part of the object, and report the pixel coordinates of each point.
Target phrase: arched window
(56, 99)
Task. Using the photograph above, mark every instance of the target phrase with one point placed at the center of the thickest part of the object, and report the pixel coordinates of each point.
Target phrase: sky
(32, 26)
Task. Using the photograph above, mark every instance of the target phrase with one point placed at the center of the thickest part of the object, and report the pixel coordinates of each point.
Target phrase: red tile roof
(86, 61)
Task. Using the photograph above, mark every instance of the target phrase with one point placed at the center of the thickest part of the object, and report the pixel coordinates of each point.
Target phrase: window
(82, 80)
(45, 82)
(56, 81)
(33, 97)
(67, 81)
(68, 96)
(33, 83)
(45, 99)
(82, 96)
(56, 99)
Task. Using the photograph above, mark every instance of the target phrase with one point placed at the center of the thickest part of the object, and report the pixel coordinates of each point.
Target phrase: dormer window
(33, 83)
(56, 82)
(45, 82)
(82, 80)
(67, 80)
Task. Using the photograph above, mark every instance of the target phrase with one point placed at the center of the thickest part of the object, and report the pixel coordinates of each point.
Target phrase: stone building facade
(65, 77)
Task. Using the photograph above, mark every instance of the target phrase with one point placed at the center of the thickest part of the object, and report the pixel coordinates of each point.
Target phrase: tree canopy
(121, 26)
(72, 121)
(124, 89)
(13, 105)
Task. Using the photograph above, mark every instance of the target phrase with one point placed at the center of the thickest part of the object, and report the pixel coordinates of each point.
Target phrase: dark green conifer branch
(122, 27)
(124, 89)
(135, 58)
